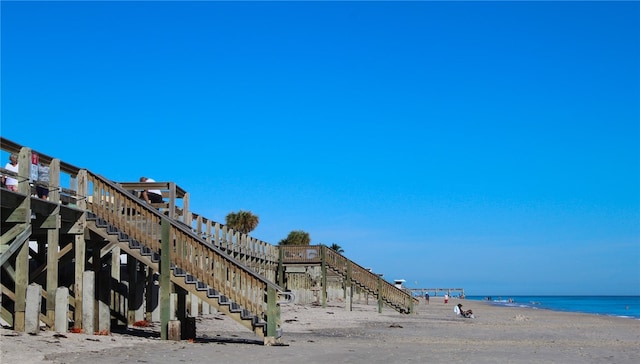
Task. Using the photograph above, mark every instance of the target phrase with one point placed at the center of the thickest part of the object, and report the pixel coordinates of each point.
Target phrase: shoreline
(548, 303)
(314, 334)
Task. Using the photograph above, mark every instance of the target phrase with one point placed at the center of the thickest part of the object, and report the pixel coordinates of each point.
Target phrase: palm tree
(296, 237)
(337, 248)
(242, 221)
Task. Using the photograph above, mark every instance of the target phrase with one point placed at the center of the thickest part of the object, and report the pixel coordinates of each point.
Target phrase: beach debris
(521, 318)
(91, 339)
(59, 335)
(76, 330)
(290, 320)
(396, 326)
(142, 323)
(104, 332)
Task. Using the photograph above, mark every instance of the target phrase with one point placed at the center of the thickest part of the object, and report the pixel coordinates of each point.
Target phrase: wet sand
(313, 334)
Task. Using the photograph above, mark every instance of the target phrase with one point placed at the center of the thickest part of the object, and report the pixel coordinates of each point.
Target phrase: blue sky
(493, 146)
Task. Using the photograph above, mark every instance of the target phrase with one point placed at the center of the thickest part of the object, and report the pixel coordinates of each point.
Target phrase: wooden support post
(323, 268)
(193, 305)
(152, 296)
(134, 295)
(187, 216)
(53, 236)
(281, 267)
(78, 292)
(117, 303)
(206, 308)
(273, 316)
(348, 288)
(22, 280)
(380, 302)
(22, 214)
(80, 256)
(165, 279)
(172, 305)
(181, 308)
(98, 287)
(174, 330)
(103, 295)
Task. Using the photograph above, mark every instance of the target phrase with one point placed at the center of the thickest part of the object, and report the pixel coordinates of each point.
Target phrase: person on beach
(460, 312)
(42, 187)
(150, 196)
(446, 298)
(426, 297)
(10, 182)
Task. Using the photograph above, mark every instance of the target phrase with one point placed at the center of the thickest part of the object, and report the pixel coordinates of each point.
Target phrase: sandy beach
(313, 334)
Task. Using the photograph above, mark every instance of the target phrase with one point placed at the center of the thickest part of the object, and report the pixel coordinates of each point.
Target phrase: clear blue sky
(493, 146)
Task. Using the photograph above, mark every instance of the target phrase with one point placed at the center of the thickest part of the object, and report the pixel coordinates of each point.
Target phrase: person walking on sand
(426, 297)
(446, 298)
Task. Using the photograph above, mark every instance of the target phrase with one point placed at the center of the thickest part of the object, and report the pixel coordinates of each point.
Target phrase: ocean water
(620, 306)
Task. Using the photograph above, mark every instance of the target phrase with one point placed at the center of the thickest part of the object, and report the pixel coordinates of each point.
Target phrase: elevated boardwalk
(69, 250)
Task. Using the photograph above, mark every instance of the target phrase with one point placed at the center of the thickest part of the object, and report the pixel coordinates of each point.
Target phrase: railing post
(323, 265)
(165, 280)
(380, 302)
(172, 202)
(281, 267)
(348, 288)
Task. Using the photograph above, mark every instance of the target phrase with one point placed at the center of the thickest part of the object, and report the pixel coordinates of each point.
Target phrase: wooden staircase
(196, 266)
(179, 276)
(398, 299)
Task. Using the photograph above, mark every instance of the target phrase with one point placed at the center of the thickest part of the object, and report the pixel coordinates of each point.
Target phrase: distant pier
(420, 292)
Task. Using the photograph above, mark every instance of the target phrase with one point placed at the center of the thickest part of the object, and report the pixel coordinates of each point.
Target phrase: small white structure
(398, 283)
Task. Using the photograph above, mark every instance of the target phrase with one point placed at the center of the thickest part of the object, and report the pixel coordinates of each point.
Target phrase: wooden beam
(18, 242)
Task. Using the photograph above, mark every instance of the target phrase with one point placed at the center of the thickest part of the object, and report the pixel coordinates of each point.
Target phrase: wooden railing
(314, 254)
(256, 254)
